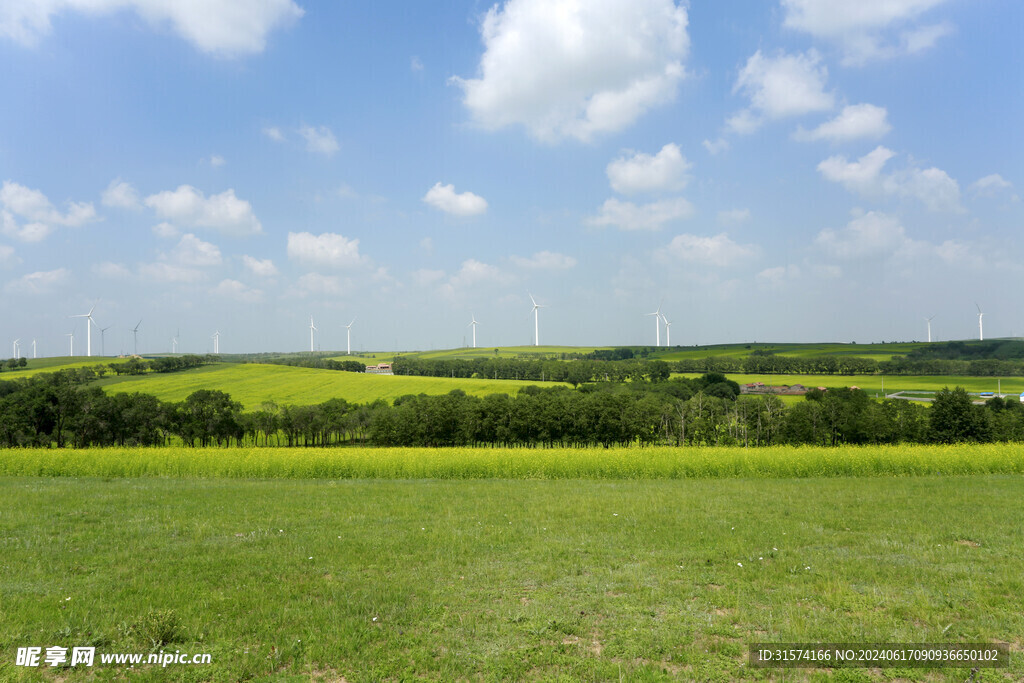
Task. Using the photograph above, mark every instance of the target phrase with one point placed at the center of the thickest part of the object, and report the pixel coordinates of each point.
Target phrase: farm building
(380, 369)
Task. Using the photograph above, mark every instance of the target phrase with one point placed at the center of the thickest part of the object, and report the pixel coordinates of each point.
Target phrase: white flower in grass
(739, 564)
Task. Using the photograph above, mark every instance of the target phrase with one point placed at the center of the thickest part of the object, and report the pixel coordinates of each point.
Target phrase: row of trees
(60, 409)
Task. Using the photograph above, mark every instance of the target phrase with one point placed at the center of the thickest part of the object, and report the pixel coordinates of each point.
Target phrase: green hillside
(252, 384)
(873, 383)
(39, 365)
(878, 352)
(479, 352)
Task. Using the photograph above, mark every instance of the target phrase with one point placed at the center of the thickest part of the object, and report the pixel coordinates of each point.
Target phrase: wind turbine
(348, 337)
(668, 330)
(88, 329)
(929, 321)
(174, 342)
(135, 334)
(473, 323)
(536, 324)
(216, 342)
(981, 332)
(103, 339)
(312, 329)
(71, 338)
(14, 347)
(657, 325)
(34, 348)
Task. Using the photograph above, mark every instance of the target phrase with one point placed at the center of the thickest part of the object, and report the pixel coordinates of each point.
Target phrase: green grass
(297, 580)
(893, 383)
(253, 383)
(517, 463)
(879, 352)
(40, 365)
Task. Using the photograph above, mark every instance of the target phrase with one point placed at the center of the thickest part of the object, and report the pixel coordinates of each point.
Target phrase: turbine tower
(216, 342)
(34, 349)
(103, 339)
(312, 329)
(536, 324)
(348, 337)
(135, 335)
(88, 329)
(473, 323)
(657, 325)
(929, 321)
(668, 330)
(71, 339)
(174, 342)
(14, 347)
(981, 331)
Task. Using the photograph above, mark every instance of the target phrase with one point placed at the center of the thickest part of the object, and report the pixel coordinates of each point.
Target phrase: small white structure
(1022, 398)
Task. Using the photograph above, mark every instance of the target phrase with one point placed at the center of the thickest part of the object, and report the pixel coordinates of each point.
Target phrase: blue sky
(800, 170)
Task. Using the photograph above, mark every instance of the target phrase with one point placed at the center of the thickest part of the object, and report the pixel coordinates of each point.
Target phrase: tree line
(61, 410)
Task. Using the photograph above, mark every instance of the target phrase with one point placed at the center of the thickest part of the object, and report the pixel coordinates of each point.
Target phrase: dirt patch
(968, 544)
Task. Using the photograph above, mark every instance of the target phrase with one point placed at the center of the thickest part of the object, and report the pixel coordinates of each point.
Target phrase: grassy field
(362, 580)
(39, 365)
(252, 384)
(873, 383)
(481, 352)
(878, 352)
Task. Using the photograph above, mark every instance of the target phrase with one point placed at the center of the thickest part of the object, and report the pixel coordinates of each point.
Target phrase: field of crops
(252, 384)
(873, 383)
(518, 463)
(571, 580)
(878, 352)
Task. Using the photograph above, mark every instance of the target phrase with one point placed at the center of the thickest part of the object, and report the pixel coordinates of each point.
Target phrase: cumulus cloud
(274, 133)
(189, 206)
(445, 198)
(990, 185)
(216, 160)
(39, 282)
(715, 147)
(720, 250)
(779, 274)
(261, 267)
(192, 251)
(319, 139)
(545, 260)
(165, 230)
(780, 87)
(855, 122)
(630, 216)
(233, 289)
(872, 234)
(28, 215)
(665, 171)
(869, 29)
(568, 69)
(328, 249)
(220, 27)
(121, 195)
(931, 186)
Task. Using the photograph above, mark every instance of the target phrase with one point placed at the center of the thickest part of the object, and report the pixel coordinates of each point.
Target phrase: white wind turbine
(929, 321)
(348, 337)
(174, 342)
(536, 323)
(657, 325)
(88, 329)
(103, 339)
(71, 339)
(135, 335)
(668, 330)
(981, 331)
(473, 323)
(34, 348)
(216, 342)
(312, 329)
(14, 347)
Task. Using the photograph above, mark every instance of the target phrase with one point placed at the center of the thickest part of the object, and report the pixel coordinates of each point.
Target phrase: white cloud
(216, 160)
(192, 251)
(779, 274)
(715, 147)
(320, 140)
(855, 122)
(780, 87)
(261, 267)
(563, 68)
(40, 282)
(630, 216)
(445, 198)
(315, 283)
(474, 272)
(224, 211)
(327, 249)
(860, 28)
(233, 289)
(113, 271)
(990, 185)
(274, 133)
(20, 202)
(931, 186)
(415, 64)
(665, 171)
(733, 216)
(120, 194)
(220, 27)
(872, 234)
(719, 250)
(165, 230)
(862, 176)
(545, 260)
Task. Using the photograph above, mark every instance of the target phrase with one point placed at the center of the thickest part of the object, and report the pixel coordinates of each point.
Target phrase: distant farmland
(252, 384)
